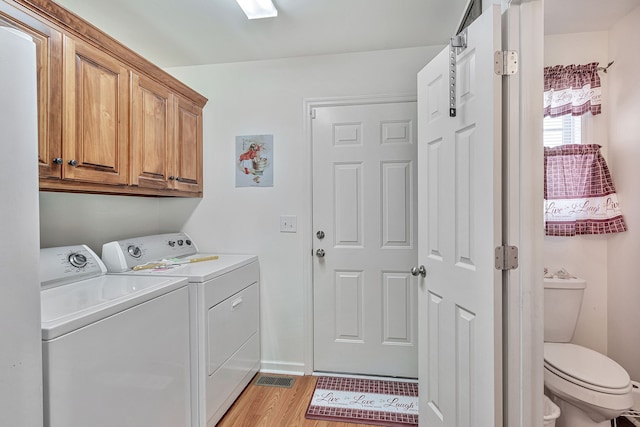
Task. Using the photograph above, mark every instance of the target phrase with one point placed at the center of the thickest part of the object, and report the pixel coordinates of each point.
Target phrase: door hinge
(505, 62)
(506, 257)
(313, 113)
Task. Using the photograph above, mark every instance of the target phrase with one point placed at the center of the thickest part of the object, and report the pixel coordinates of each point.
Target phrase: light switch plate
(288, 223)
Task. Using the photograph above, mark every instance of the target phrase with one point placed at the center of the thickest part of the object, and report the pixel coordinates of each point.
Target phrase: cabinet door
(48, 43)
(49, 60)
(187, 150)
(96, 110)
(152, 126)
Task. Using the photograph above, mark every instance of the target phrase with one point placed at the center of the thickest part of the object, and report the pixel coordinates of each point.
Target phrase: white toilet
(589, 388)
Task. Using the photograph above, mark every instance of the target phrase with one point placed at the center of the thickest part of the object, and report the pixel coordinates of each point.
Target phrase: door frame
(523, 324)
(307, 239)
(523, 310)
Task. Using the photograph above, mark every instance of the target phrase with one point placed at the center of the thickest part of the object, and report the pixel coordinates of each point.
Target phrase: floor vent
(273, 381)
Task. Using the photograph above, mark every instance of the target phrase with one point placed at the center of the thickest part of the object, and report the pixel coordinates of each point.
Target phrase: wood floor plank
(260, 406)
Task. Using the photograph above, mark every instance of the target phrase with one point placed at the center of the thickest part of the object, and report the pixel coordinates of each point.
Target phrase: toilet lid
(586, 367)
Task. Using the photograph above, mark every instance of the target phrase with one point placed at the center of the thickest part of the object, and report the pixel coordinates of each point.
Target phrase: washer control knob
(180, 242)
(172, 243)
(188, 242)
(77, 260)
(134, 251)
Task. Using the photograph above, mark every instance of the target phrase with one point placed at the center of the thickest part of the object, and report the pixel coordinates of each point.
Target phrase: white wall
(264, 97)
(585, 256)
(624, 155)
(267, 97)
(72, 219)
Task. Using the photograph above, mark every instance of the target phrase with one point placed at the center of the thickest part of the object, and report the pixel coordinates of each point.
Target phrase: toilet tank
(562, 303)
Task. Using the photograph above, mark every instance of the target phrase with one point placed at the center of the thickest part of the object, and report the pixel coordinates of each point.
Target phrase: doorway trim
(308, 105)
(525, 341)
(523, 292)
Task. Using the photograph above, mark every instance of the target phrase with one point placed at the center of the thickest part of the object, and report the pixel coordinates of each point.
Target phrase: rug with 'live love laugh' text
(365, 401)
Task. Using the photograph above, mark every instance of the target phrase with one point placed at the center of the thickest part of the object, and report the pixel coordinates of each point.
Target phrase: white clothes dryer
(115, 348)
(225, 311)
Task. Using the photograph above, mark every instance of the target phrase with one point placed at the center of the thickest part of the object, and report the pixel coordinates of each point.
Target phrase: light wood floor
(260, 406)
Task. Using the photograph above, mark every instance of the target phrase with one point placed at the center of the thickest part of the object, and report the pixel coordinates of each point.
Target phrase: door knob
(320, 234)
(320, 253)
(419, 271)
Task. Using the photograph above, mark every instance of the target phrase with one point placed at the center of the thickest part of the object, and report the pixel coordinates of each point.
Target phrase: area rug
(365, 401)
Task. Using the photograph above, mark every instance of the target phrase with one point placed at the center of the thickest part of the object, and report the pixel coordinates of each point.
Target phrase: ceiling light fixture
(256, 9)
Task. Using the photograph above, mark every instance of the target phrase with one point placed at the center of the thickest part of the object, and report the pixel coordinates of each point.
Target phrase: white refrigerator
(20, 336)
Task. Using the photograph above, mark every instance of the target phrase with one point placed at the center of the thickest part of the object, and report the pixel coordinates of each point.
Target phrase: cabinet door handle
(236, 303)
(178, 179)
(57, 160)
(73, 163)
(171, 178)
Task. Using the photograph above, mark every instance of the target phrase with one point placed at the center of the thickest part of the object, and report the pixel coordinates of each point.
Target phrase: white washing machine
(225, 311)
(116, 349)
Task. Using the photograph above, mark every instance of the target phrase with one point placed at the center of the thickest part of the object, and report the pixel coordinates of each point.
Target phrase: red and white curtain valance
(572, 89)
(579, 195)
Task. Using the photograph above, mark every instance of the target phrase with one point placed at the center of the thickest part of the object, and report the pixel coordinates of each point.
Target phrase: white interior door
(364, 204)
(459, 227)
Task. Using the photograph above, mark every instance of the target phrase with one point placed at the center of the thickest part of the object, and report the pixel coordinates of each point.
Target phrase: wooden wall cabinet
(166, 139)
(95, 129)
(151, 133)
(48, 43)
(109, 121)
(187, 147)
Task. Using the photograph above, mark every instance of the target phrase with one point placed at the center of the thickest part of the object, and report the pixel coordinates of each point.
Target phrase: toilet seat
(586, 368)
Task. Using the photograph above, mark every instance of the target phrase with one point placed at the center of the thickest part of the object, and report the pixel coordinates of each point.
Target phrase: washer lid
(583, 365)
(70, 307)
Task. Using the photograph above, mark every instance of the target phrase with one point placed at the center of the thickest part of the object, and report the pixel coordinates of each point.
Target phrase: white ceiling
(576, 16)
(192, 32)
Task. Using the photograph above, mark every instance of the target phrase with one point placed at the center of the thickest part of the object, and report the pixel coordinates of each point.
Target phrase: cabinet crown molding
(73, 24)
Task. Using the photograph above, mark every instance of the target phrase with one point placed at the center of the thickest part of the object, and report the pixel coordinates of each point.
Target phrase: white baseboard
(368, 377)
(283, 368)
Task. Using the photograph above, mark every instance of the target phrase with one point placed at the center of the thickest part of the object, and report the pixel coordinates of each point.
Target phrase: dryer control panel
(120, 256)
(65, 264)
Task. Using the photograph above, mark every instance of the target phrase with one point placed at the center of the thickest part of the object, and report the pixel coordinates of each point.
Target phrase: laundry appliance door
(129, 369)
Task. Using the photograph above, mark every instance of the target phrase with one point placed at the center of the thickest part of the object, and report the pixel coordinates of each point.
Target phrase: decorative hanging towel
(579, 197)
(572, 89)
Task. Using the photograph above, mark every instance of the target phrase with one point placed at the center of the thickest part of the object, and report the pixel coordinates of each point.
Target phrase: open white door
(459, 226)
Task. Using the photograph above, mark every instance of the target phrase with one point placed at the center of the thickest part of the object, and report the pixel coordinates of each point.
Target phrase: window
(562, 130)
